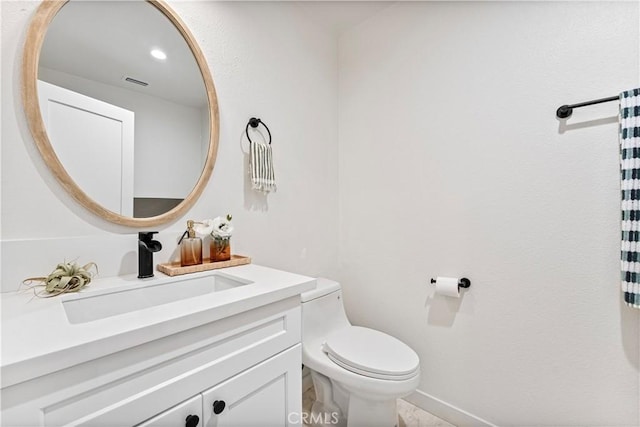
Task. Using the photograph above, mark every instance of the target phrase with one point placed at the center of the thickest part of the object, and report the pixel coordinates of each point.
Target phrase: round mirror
(122, 107)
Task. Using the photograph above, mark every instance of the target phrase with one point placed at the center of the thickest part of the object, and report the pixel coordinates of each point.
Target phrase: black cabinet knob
(218, 406)
(192, 421)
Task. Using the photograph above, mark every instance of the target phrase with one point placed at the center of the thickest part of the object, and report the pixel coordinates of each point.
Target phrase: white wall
(452, 163)
(266, 62)
(168, 135)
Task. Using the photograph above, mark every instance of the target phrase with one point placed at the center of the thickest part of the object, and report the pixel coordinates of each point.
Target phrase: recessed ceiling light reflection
(158, 54)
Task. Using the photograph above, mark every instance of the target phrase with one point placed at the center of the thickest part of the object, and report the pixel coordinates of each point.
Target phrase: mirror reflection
(124, 105)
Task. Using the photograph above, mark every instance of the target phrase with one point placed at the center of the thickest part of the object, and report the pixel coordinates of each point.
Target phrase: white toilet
(358, 373)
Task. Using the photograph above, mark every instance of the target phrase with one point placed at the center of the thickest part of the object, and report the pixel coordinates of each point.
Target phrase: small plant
(67, 277)
(222, 228)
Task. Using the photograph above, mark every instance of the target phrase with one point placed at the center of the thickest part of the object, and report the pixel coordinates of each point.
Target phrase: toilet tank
(322, 310)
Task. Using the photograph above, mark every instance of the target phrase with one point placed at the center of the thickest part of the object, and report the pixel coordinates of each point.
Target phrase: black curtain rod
(566, 110)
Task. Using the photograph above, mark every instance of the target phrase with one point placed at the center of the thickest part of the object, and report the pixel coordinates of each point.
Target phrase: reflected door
(94, 141)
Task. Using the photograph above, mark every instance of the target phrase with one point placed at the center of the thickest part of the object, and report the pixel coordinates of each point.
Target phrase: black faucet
(146, 248)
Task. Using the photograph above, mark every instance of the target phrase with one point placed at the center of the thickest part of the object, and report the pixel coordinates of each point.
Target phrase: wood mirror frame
(33, 45)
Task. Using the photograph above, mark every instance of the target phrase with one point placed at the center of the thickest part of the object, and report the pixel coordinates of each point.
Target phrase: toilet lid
(371, 353)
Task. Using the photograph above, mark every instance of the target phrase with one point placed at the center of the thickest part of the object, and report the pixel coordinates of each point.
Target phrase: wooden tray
(174, 269)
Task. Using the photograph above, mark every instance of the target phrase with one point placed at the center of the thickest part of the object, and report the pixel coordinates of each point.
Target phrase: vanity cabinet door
(267, 394)
(187, 414)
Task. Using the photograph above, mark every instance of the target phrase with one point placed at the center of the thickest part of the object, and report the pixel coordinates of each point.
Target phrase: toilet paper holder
(462, 283)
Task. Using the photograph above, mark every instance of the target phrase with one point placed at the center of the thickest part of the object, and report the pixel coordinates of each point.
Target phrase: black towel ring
(253, 122)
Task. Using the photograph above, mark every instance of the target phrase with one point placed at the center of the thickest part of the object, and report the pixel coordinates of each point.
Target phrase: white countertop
(37, 337)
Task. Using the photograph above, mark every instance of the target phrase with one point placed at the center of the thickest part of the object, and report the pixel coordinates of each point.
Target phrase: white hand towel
(262, 175)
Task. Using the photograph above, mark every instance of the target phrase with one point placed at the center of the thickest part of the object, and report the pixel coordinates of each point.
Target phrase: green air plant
(67, 277)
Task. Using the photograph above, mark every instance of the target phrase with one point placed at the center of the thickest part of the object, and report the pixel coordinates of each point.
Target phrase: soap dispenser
(190, 247)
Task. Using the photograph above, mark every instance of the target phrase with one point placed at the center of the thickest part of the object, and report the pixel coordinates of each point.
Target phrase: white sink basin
(89, 306)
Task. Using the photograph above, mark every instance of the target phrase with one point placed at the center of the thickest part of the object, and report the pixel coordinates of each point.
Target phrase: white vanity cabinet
(263, 395)
(251, 361)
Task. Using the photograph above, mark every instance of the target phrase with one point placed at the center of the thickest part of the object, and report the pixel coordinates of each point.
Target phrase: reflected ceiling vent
(135, 81)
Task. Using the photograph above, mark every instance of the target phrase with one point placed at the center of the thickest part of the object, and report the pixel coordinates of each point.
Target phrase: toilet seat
(371, 353)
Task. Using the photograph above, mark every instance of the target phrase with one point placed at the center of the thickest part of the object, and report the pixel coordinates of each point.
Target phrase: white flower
(222, 228)
(203, 227)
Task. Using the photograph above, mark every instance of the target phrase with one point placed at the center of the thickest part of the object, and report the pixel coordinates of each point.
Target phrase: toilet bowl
(358, 373)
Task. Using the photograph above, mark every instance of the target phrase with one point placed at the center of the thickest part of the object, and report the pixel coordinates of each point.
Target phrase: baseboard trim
(454, 415)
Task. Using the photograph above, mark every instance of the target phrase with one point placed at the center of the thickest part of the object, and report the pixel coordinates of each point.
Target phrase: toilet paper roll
(448, 286)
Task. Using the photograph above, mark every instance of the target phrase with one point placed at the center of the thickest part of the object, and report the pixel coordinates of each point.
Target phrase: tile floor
(410, 415)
